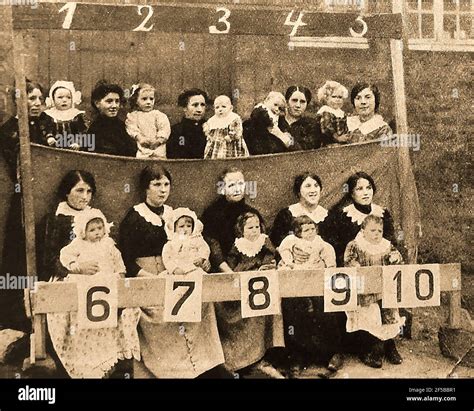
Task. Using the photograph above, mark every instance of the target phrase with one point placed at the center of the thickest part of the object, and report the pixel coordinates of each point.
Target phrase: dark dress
(305, 132)
(257, 137)
(111, 137)
(219, 220)
(311, 335)
(187, 140)
(12, 311)
(56, 128)
(339, 228)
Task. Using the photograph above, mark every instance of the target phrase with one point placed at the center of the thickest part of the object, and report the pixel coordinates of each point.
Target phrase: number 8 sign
(411, 286)
(260, 293)
(340, 289)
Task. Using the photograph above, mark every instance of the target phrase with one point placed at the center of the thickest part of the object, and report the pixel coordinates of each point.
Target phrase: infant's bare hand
(178, 271)
(88, 267)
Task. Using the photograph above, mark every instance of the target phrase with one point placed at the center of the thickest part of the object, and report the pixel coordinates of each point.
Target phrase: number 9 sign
(340, 289)
(97, 301)
(260, 293)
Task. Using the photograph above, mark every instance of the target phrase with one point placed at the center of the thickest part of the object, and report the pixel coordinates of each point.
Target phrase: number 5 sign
(183, 298)
(260, 293)
(97, 301)
(340, 289)
(411, 286)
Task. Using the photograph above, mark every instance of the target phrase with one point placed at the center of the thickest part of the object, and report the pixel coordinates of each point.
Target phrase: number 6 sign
(97, 301)
(340, 289)
(183, 298)
(411, 286)
(260, 293)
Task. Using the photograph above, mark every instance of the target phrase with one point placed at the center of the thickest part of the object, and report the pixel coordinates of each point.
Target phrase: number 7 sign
(183, 298)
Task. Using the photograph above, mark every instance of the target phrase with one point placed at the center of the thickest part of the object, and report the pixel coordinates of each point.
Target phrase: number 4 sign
(260, 293)
(97, 301)
(411, 286)
(183, 298)
(340, 289)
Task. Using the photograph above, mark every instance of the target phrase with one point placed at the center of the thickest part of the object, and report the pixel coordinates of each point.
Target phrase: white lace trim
(63, 115)
(222, 122)
(376, 122)
(250, 248)
(318, 215)
(151, 217)
(338, 113)
(383, 247)
(357, 216)
(65, 209)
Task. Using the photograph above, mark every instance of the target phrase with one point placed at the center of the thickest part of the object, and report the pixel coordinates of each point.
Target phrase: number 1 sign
(411, 286)
(260, 293)
(340, 289)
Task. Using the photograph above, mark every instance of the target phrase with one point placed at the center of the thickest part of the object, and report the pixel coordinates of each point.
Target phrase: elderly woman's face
(158, 192)
(363, 192)
(234, 186)
(364, 103)
(196, 108)
(310, 192)
(80, 196)
(35, 102)
(297, 104)
(109, 105)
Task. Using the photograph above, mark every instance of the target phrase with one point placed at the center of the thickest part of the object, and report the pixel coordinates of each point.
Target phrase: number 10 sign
(411, 286)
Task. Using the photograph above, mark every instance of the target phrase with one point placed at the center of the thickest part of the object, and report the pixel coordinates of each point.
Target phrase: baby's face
(184, 226)
(275, 105)
(373, 233)
(222, 106)
(62, 99)
(308, 232)
(335, 100)
(252, 229)
(95, 231)
(146, 100)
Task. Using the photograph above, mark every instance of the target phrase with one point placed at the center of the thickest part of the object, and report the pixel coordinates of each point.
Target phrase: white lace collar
(250, 248)
(152, 218)
(376, 122)
(381, 248)
(63, 115)
(338, 113)
(357, 216)
(317, 215)
(65, 209)
(222, 122)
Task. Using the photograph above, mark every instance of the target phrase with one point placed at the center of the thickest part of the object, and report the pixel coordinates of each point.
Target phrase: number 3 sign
(97, 301)
(183, 298)
(411, 286)
(340, 289)
(260, 293)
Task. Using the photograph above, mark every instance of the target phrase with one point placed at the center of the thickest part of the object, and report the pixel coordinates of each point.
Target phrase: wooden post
(26, 181)
(408, 191)
(454, 318)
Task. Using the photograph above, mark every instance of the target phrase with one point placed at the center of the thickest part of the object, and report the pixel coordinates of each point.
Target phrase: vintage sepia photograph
(240, 190)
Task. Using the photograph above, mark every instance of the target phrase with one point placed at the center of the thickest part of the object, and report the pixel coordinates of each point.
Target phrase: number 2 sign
(340, 289)
(260, 293)
(411, 286)
(97, 301)
(183, 298)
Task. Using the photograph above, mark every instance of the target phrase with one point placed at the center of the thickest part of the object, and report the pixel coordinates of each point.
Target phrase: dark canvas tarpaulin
(270, 180)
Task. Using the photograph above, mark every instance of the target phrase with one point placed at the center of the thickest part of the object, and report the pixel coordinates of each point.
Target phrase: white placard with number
(411, 285)
(260, 293)
(340, 289)
(97, 300)
(183, 297)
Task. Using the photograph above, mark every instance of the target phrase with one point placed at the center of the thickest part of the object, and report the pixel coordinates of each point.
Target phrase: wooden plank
(40, 336)
(454, 318)
(136, 292)
(199, 19)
